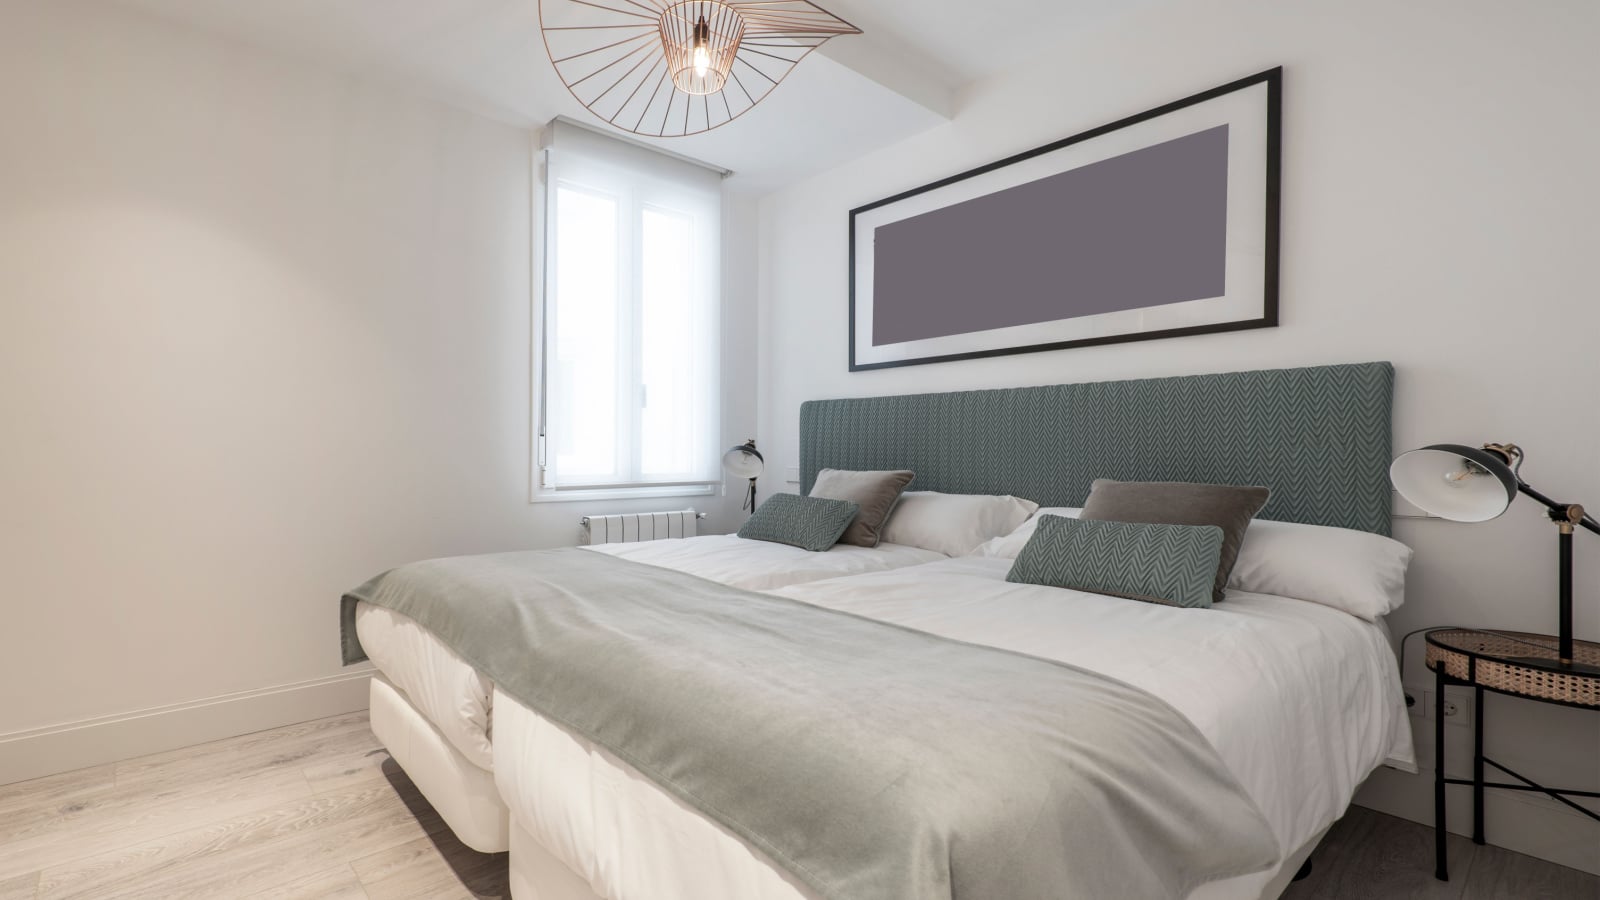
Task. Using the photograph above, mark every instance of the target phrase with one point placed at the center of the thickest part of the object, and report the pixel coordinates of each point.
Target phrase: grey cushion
(1229, 507)
(875, 492)
(1171, 564)
(810, 523)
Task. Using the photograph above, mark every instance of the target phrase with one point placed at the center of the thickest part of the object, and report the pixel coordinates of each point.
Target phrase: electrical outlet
(1457, 707)
(1416, 702)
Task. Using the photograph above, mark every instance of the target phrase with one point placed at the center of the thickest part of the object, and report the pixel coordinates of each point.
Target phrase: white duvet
(1301, 701)
(459, 701)
(763, 565)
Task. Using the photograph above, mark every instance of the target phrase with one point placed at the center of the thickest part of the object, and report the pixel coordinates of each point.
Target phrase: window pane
(667, 345)
(583, 368)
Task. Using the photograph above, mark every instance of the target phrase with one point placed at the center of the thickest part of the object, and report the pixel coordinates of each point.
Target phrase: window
(628, 397)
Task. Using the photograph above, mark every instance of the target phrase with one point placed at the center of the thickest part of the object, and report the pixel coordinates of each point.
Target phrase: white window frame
(540, 492)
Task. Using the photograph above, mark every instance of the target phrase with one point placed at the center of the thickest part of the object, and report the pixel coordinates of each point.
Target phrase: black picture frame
(1272, 78)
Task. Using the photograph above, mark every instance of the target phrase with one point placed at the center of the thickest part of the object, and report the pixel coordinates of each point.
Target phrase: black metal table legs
(1441, 869)
(1477, 766)
(1441, 865)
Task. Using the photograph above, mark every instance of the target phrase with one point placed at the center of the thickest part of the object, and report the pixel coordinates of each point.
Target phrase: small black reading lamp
(745, 461)
(1469, 484)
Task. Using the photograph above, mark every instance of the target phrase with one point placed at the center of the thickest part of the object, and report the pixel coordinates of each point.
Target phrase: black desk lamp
(1468, 484)
(745, 461)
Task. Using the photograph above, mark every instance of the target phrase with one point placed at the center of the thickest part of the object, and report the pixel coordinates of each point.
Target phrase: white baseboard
(1525, 822)
(105, 739)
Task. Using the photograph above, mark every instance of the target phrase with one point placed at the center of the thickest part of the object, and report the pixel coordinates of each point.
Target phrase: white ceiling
(976, 39)
(487, 55)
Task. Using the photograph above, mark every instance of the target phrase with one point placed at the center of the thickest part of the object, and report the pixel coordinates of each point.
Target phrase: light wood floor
(318, 810)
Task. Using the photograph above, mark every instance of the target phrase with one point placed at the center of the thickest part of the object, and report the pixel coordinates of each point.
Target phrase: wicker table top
(1490, 659)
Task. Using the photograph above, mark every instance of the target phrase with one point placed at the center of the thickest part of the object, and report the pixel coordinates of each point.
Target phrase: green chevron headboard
(1318, 437)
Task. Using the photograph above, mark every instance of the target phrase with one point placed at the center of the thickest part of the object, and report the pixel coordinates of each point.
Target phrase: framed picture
(1159, 225)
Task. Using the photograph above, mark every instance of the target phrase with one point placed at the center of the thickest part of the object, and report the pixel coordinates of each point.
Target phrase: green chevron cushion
(810, 523)
(1170, 564)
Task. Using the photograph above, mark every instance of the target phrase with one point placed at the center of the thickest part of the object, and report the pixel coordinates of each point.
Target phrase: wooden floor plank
(248, 854)
(123, 816)
(337, 883)
(1502, 875)
(434, 867)
(1368, 854)
(22, 887)
(25, 796)
(339, 771)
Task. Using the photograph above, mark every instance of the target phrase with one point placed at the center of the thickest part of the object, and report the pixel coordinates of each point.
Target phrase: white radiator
(629, 527)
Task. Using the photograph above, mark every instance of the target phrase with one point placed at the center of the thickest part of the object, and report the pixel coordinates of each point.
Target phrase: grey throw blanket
(870, 760)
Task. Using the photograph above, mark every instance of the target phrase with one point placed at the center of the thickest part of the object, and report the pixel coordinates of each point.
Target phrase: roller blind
(628, 325)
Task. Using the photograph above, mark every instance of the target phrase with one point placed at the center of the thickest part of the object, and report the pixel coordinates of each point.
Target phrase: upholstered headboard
(1318, 437)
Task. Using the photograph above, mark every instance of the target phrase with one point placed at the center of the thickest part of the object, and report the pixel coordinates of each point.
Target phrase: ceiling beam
(907, 73)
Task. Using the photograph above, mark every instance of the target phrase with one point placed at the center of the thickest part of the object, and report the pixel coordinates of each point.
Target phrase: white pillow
(1361, 573)
(1008, 546)
(953, 524)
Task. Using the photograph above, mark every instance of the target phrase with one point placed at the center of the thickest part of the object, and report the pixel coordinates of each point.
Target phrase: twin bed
(434, 712)
(1299, 700)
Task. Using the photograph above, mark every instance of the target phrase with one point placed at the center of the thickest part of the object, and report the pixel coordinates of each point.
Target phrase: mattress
(439, 684)
(1301, 701)
(459, 701)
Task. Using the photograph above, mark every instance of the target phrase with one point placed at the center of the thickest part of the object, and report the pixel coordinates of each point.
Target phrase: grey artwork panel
(1142, 229)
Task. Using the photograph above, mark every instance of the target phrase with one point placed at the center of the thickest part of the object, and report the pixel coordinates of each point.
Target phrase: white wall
(1438, 211)
(264, 332)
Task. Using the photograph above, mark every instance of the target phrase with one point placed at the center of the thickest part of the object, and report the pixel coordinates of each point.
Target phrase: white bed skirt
(464, 794)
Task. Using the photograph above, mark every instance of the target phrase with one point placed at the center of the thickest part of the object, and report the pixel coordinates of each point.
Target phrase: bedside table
(1503, 662)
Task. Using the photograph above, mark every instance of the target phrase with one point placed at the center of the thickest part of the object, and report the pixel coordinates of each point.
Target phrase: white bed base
(536, 874)
(462, 792)
(466, 797)
(572, 803)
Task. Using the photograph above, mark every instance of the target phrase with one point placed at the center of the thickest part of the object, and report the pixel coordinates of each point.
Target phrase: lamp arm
(1587, 521)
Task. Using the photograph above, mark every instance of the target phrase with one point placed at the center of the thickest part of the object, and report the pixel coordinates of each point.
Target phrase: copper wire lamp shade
(660, 68)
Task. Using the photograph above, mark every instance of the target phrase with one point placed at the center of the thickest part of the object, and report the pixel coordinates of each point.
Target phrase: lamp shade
(1456, 482)
(669, 68)
(743, 461)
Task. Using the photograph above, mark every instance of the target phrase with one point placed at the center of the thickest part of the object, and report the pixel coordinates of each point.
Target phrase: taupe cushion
(1229, 507)
(875, 492)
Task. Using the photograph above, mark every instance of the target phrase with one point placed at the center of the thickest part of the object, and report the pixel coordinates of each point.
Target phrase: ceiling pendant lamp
(700, 51)
(668, 69)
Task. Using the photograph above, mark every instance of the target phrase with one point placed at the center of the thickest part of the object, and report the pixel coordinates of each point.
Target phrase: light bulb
(702, 55)
(1459, 477)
